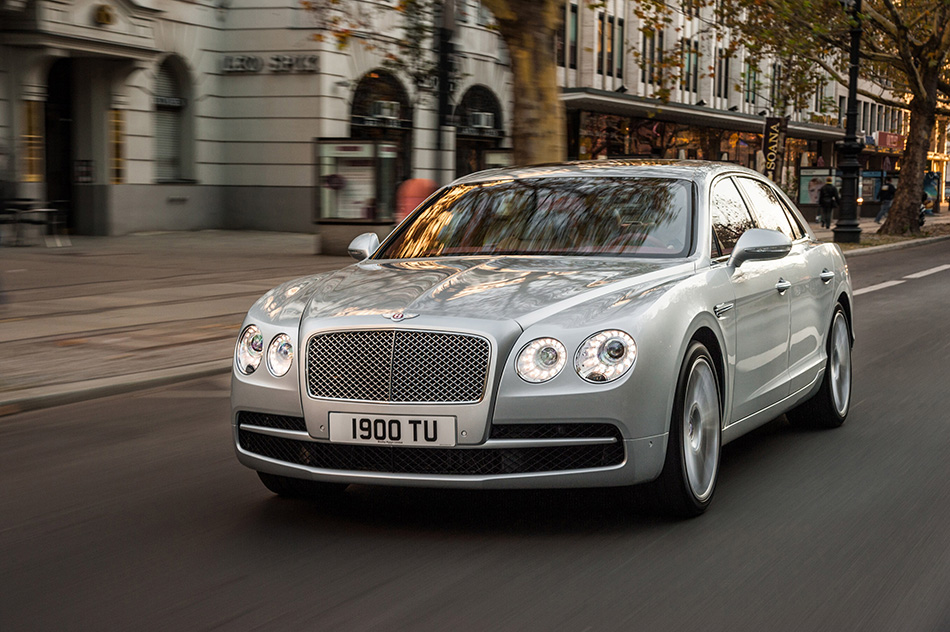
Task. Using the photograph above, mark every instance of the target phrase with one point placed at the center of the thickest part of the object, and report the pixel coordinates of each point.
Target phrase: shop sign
(772, 138)
(277, 64)
(889, 140)
(169, 102)
(373, 121)
(478, 131)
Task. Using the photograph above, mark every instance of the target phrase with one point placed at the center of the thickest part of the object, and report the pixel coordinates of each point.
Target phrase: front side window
(730, 217)
(571, 216)
(767, 207)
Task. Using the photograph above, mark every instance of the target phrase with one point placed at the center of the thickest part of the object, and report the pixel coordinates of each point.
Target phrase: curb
(59, 394)
(910, 243)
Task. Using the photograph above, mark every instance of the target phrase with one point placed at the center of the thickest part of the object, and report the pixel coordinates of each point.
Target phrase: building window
(652, 67)
(600, 43)
(690, 8)
(619, 47)
(33, 141)
(572, 38)
(842, 111)
(169, 110)
(610, 44)
(690, 52)
(820, 98)
(865, 117)
(751, 81)
(722, 74)
(117, 143)
(559, 40)
(775, 85)
(605, 44)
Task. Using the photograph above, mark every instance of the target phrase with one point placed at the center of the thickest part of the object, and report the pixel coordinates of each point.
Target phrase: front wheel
(689, 476)
(829, 407)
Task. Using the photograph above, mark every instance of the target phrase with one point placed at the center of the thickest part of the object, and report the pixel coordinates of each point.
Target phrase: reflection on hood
(500, 288)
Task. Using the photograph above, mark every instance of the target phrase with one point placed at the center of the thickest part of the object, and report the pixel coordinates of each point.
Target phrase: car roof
(657, 168)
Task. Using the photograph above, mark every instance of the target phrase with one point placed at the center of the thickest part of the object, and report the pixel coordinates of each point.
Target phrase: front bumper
(514, 456)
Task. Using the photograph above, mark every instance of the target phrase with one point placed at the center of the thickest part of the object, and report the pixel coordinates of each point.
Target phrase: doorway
(59, 139)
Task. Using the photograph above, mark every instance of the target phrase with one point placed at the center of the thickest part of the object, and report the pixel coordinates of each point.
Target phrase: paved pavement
(112, 314)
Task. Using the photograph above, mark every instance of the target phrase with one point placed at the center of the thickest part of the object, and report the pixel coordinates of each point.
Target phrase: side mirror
(758, 244)
(363, 246)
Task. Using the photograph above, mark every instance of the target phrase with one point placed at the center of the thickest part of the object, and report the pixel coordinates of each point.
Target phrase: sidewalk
(869, 227)
(114, 314)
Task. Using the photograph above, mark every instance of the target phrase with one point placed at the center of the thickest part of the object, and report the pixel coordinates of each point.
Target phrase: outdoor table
(22, 212)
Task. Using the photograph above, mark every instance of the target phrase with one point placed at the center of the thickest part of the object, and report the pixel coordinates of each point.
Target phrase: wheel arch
(845, 301)
(710, 340)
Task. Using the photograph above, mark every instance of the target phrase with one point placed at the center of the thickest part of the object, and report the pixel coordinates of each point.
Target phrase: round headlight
(605, 356)
(541, 359)
(250, 349)
(280, 355)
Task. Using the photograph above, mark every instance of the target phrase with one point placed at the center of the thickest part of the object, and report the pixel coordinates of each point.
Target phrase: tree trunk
(538, 122)
(902, 218)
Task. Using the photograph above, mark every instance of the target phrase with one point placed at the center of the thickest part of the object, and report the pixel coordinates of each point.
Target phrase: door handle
(826, 275)
(782, 286)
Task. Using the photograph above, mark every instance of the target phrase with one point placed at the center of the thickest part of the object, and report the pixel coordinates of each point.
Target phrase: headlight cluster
(250, 351)
(603, 357)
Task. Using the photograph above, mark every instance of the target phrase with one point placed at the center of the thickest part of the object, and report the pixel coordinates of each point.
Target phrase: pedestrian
(828, 200)
(886, 195)
(411, 194)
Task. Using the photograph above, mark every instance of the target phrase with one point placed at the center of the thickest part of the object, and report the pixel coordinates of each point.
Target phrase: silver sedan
(579, 325)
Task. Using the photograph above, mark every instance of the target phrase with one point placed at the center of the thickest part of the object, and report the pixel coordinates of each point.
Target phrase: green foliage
(409, 51)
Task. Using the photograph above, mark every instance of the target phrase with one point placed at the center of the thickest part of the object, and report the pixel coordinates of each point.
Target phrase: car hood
(524, 289)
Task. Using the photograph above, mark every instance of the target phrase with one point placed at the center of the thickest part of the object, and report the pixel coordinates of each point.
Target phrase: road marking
(920, 275)
(879, 286)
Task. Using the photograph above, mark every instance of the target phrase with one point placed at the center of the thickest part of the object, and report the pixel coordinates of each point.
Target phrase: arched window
(170, 106)
(479, 130)
(381, 111)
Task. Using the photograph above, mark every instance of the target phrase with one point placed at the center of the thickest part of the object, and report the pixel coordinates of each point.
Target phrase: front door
(59, 138)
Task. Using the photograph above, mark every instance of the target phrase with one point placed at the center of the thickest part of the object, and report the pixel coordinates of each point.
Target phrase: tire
(828, 408)
(688, 480)
(299, 488)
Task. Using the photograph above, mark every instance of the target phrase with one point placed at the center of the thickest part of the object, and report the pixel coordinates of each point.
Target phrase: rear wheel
(829, 407)
(299, 488)
(689, 475)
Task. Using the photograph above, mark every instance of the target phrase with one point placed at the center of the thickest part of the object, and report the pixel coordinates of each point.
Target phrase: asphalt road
(131, 513)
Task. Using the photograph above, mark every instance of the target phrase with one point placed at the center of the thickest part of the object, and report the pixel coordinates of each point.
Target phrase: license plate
(419, 430)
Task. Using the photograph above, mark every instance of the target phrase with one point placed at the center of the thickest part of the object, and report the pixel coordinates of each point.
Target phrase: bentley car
(586, 324)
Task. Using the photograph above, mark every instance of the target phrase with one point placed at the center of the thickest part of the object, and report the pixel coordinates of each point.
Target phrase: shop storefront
(609, 125)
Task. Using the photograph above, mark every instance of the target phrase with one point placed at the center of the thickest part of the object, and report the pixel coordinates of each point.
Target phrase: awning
(609, 102)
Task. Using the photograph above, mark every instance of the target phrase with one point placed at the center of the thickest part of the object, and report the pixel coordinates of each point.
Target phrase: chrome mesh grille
(398, 366)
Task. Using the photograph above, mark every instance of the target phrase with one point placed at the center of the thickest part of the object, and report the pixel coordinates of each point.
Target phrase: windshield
(575, 216)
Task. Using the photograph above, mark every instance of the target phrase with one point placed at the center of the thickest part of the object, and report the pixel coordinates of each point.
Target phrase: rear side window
(767, 207)
(730, 217)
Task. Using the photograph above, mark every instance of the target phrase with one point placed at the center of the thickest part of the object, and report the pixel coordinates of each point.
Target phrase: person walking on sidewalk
(886, 196)
(828, 200)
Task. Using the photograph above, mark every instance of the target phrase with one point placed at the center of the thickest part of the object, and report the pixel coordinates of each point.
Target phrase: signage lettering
(772, 140)
(278, 64)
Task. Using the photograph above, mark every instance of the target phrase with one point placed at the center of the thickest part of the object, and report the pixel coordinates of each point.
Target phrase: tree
(904, 52)
(528, 28)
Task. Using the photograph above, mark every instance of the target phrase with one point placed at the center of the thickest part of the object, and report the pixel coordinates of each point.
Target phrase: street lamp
(847, 230)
